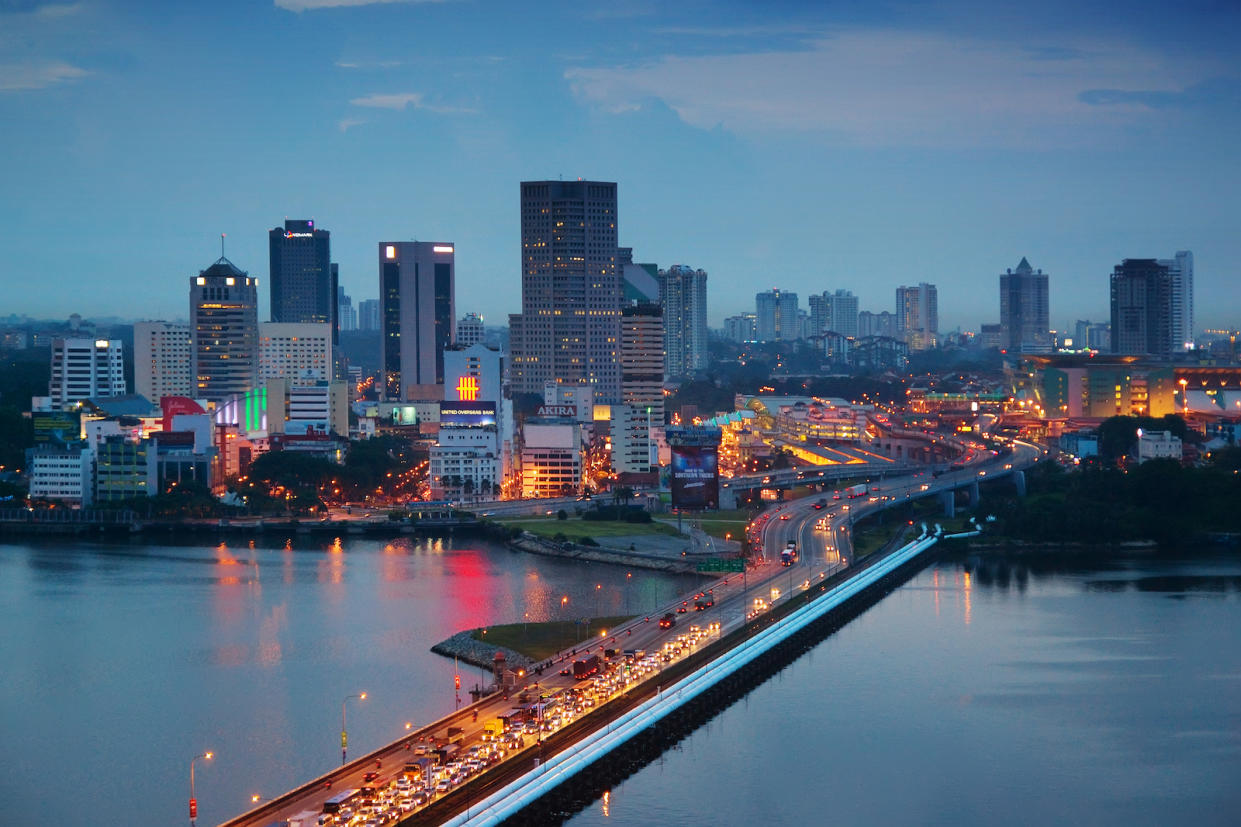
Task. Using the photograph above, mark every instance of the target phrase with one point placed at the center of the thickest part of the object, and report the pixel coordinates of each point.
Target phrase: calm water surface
(1072, 694)
(120, 662)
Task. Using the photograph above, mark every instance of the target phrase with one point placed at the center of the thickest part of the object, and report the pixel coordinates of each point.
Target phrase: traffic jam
(436, 767)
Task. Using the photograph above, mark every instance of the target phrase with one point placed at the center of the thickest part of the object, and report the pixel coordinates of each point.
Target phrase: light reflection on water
(132, 658)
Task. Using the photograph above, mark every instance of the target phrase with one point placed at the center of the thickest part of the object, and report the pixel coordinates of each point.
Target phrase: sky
(805, 146)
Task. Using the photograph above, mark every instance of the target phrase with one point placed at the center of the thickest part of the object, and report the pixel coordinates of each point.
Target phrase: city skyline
(1053, 111)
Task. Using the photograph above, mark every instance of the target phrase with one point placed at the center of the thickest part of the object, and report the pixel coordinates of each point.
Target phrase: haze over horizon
(773, 145)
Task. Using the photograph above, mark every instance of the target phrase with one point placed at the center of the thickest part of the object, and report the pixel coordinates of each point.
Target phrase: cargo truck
(789, 556)
(856, 491)
(586, 667)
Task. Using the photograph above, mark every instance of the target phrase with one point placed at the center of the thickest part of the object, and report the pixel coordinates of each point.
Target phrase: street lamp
(344, 735)
(206, 756)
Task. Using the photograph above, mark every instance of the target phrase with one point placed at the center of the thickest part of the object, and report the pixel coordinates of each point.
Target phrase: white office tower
(1181, 268)
(84, 369)
(834, 313)
(633, 448)
(162, 352)
(683, 295)
(473, 452)
(299, 352)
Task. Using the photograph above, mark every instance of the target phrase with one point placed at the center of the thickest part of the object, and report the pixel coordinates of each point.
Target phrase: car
(785, 516)
(369, 777)
(667, 621)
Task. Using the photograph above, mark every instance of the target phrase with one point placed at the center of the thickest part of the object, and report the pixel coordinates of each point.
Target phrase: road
(822, 553)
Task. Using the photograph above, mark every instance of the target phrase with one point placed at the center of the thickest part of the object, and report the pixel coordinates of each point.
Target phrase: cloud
(401, 100)
(16, 77)
(36, 9)
(367, 64)
(347, 123)
(312, 5)
(1216, 91)
(892, 88)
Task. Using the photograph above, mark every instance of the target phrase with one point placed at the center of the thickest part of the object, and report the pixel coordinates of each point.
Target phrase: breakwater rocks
(533, 544)
(477, 653)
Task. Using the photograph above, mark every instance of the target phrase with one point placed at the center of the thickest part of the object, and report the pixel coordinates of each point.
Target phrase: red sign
(456, 681)
(558, 411)
(193, 808)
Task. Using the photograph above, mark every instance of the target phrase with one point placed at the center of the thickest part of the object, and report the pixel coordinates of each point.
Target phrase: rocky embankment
(533, 544)
(477, 653)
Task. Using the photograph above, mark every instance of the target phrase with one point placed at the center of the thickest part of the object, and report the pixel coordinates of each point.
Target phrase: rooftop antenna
(221, 245)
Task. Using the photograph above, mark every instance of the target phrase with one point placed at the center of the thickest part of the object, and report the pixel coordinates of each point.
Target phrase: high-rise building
(85, 369)
(300, 353)
(1181, 268)
(416, 288)
(569, 326)
(1141, 296)
(740, 328)
(470, 330)
(1092, 335)
(834, 313)
(1024, 310)
(225, 331)
(882, 323)
(683, 294)
(642, 359)
(776, 316)
(303, 279)
(368, 314)
(640, 282)
(473, 450)
(917, 312)
(346, 314)
(162, 352)
(632, 444)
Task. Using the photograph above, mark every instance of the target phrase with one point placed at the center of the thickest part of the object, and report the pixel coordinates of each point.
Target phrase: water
(120, 662)
(1074, 692)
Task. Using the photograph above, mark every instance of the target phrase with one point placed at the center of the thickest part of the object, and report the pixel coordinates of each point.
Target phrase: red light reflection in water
(968, 605)
(935, 589)
(332, 567)
(474, 594)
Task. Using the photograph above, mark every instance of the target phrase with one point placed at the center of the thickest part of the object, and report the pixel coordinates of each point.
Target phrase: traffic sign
(193, 808)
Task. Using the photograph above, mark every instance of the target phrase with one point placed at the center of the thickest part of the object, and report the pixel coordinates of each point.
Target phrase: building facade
(417, 286)
(1024, 310)
(470, 330)
(368, 314)
(62, 474)
(683, 295)
(741, 329)
(776, 316)
(551, 459)
(1181, 269)
(917, 314)
(834, 313)
(224, 331)
(84, 369)
(1141, 299)
(300, 353)
(633, 447)
(302, 278)
(569, 326)
(162, 357)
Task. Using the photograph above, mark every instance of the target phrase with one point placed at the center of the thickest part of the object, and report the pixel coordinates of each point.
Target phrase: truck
(493, 729)
(585, 667)
(856, 491)
(704, 601)
(789, 556)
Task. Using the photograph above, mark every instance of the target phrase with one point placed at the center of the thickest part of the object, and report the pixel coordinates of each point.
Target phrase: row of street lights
(255, 799)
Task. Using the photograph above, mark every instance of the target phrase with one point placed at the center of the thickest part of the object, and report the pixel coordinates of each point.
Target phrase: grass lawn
(576, 528)
(715, 523)
(542, 640)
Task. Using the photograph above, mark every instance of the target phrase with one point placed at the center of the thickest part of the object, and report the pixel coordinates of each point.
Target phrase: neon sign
(467, 389)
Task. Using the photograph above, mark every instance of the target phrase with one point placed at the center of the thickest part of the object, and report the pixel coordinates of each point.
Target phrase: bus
(333, 804)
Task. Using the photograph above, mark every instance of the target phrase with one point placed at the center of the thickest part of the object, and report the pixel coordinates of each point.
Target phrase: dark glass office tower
(303, 285)
(417, 314)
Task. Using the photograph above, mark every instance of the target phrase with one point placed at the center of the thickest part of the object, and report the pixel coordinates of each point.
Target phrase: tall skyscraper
(84, 369)
(224, 324)
(1141, 294)
(1024, 311)
(416, 288)
(1181, 268)
(917, 312)
(834, 313)
(683, 294)
(569, 326)
(346, 314)
(303, 279)
(776, 316)
(162, 357)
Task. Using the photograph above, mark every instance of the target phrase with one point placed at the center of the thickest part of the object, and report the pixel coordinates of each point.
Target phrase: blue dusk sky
(806, 146)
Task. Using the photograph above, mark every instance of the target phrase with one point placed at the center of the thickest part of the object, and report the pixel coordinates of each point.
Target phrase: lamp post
(628, 580)
(344, 734)
(1184, 397)
(206, 756)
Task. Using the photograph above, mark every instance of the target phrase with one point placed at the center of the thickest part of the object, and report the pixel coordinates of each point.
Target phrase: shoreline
(532, 544)
(465, 648)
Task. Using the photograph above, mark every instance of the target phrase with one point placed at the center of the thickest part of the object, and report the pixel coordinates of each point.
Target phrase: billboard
(56, 427)
(470, 414)
(695, 476)
(557, 411)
